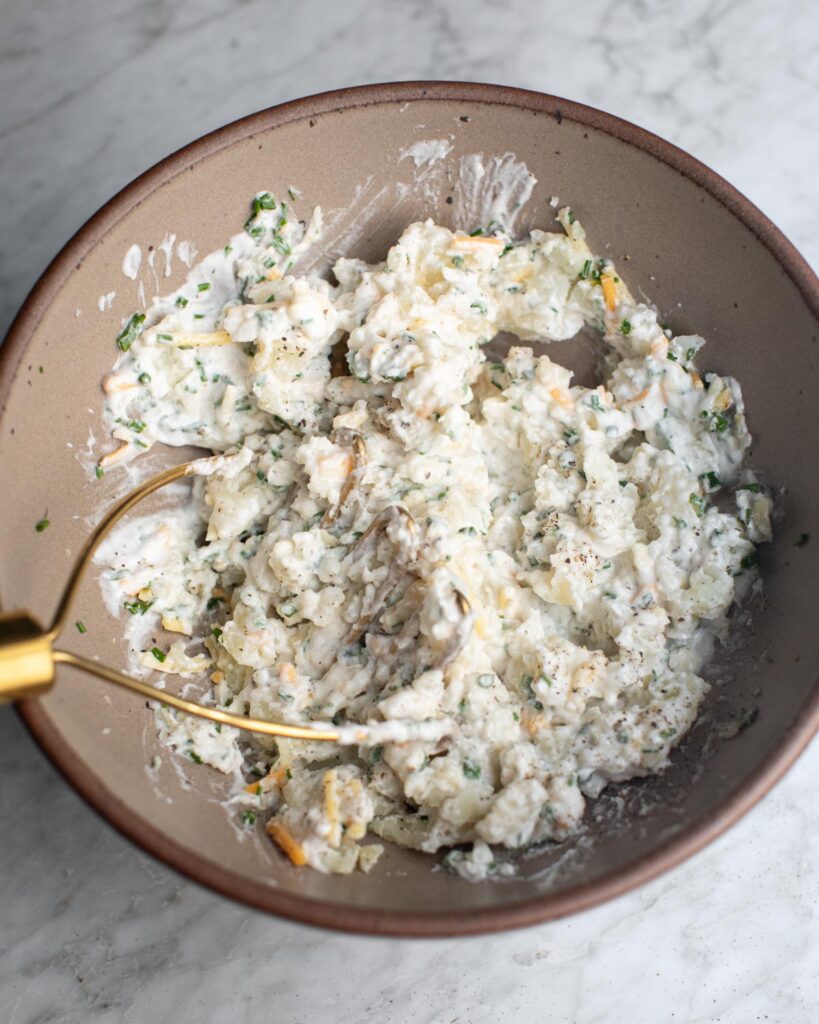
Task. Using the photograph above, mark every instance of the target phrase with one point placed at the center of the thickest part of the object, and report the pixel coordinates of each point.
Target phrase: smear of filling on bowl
(415, 534)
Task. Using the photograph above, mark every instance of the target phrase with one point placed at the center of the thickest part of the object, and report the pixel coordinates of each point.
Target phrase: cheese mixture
(524, 577)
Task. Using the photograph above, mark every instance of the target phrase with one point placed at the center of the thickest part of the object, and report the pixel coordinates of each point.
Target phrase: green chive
(713, 480)
(130, 332)
(697, 503)
(721, 423)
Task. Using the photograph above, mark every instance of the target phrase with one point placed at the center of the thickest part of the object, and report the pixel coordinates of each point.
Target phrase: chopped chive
(130, 332)
(81, 627)
(203, 286)
(42, 524)
(99, 472)
(802, 540)
(713, 480)
(720, 423)
(159, 655)
(181, 301)
(264, 202)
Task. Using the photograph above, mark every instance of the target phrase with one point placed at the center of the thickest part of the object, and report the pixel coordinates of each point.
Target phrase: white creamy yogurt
(131, 261)
(500, 586)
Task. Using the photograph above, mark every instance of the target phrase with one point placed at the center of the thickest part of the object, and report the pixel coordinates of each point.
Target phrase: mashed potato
(430, 537)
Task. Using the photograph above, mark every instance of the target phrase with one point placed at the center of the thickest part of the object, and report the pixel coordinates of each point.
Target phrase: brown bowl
(709, 260)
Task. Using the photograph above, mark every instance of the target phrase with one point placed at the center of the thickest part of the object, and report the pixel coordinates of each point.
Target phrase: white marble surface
(93, 92)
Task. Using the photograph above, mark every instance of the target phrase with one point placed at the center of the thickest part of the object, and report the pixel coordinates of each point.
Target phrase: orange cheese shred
(294, 850)
(561, 397)
(609, 292)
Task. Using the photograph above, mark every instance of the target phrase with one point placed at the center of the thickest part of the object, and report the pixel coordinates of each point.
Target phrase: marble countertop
(91, 930)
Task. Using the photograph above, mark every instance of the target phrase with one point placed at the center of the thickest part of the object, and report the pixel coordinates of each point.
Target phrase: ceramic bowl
(708, 259)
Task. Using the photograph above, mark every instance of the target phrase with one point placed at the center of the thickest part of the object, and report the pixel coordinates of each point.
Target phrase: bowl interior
(677, 243)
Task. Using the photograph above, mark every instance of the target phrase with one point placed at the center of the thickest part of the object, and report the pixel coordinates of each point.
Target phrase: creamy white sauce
(500, 586)
(132, 261)
(427, 151)
(492, 190)
(186, 251)
(166, 248)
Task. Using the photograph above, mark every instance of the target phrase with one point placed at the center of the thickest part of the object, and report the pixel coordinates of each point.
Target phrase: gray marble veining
(91, 930)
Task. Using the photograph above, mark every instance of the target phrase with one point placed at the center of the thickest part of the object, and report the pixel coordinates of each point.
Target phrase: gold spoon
(28, 658)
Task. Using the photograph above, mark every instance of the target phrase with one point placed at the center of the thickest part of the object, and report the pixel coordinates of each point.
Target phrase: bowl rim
(347, 917)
